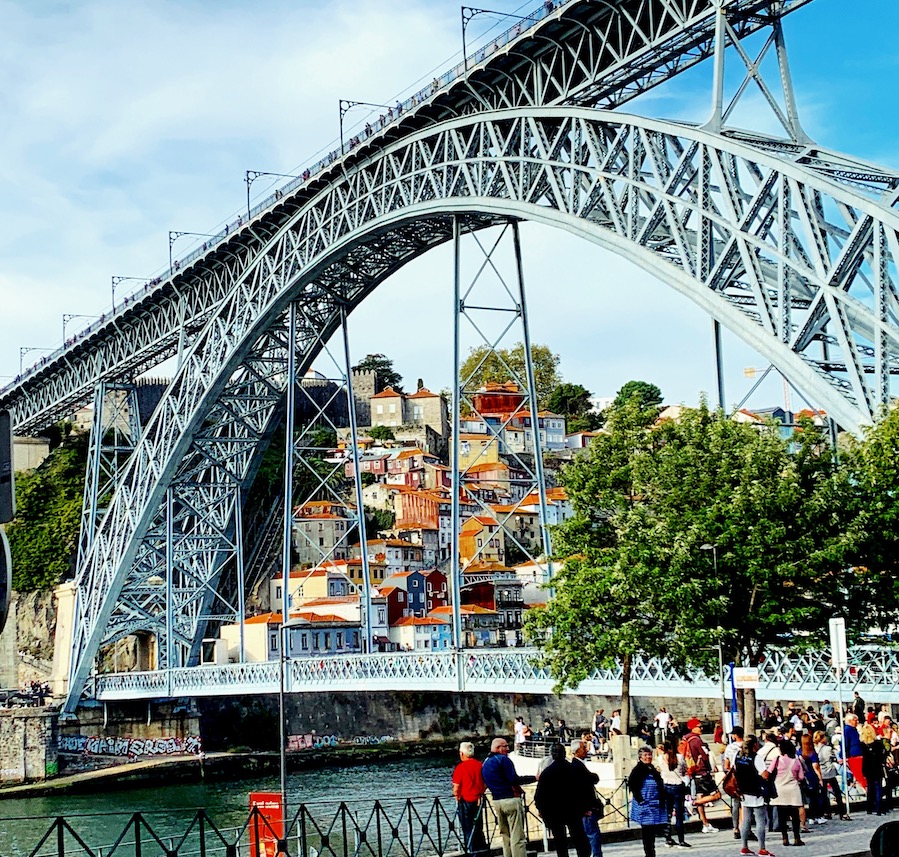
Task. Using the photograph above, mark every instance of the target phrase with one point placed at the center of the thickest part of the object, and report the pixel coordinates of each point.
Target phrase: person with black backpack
(748, 768)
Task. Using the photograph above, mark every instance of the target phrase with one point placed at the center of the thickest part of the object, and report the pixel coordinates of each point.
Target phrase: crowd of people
(784, 780)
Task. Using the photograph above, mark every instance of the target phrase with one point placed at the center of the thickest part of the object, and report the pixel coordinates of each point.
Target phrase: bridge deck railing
(783, 673)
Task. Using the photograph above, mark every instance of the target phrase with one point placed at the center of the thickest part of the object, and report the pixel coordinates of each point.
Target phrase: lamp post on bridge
(714, 549)
(69, 316)
(469, 12)
(174, 236)
(344, 107)
(115, 280)
(252, 175)
(25, 349)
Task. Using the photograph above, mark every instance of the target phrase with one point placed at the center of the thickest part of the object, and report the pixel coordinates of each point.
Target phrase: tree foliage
(381, 433)
(776, 514)
(648, 395)
(382, 366)
(573, 402)
(43, 538)
(483, 364)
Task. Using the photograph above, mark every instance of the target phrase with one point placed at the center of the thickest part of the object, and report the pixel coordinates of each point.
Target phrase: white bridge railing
(784, 674)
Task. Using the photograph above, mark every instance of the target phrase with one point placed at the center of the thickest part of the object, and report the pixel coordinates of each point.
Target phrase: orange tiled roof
(387, 393)
(420, 620)
(423, 393)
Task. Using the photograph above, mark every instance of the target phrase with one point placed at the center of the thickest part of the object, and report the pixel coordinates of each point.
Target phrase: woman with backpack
(787, 773)
(748, 768)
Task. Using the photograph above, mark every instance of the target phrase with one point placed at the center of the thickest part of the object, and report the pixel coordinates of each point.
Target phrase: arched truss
(792, 248)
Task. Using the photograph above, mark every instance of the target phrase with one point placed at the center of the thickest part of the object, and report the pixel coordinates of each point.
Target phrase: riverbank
(224, 766)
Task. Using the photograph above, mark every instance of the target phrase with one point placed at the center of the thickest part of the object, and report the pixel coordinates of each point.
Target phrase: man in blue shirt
(505, 784)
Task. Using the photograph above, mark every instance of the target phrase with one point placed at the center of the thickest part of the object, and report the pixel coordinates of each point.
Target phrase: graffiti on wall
(98, 745)
(329, 742)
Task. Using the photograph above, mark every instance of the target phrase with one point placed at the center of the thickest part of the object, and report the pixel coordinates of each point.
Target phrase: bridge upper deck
(574, 51)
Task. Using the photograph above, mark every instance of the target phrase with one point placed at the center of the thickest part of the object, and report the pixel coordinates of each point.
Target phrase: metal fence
(414, 827)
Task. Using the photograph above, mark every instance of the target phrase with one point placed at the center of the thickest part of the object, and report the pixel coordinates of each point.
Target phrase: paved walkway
(834, 839)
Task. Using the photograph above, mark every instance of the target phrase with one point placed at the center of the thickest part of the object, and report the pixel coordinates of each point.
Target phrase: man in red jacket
(700, 769)
(468, 790)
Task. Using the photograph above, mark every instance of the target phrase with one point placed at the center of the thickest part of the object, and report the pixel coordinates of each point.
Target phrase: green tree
(44, 536)
(649, 499)
(483, 364)
(648, 395)
(381, 433)
(382, 366)
(573, 402)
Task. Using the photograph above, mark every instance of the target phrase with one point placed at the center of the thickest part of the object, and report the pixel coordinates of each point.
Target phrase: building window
(379, 409)
(277, 593)
(339, 640)
(273, 640)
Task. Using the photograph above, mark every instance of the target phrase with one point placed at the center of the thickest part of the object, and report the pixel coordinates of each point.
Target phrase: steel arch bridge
(790, 246)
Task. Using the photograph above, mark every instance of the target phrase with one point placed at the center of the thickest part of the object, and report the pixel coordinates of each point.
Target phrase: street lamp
(174, 236)
(116, 280)
(344, 106)
(252, 175)
(714, 549)
(69, 316)
(25, 349)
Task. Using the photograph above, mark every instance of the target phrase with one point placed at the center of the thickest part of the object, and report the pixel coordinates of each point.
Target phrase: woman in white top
(787, 772)
(673, 769)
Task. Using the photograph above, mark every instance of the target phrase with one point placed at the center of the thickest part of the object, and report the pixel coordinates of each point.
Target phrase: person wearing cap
(699, 768)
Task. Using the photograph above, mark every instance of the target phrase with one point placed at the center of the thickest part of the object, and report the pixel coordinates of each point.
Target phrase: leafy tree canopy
(382, 366)
(382, 433)
(483, 365)
(648, 395)
(573, 402)
(648, 498)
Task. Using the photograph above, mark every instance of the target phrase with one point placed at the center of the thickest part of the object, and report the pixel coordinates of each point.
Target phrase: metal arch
(705, 213)
(146, 330)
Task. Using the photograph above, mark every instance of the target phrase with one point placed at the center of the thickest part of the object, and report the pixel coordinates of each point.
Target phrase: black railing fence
(414, 827)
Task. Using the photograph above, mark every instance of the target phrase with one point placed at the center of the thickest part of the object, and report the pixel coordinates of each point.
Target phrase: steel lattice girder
(598, 53)
(785, 246)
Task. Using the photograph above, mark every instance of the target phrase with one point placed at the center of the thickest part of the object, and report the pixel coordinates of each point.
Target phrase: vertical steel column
(786, 82)
(290, 418)
(715, 120)
(719, 362)
(357, 483)
(169, 586)
(454, 463)
(241, 594)
(532, 398)
(92, 482)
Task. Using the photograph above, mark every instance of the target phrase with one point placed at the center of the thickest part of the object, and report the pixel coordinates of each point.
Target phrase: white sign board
(746, 677)
(838, 651)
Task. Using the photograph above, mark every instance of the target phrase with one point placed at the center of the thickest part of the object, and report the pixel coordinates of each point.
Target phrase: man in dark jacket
(588, 781)
(562, 802)
(505, 784)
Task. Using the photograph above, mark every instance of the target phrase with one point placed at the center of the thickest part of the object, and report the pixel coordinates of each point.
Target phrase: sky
(122, 121)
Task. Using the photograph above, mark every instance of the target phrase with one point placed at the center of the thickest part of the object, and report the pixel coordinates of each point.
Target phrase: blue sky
(122, 121)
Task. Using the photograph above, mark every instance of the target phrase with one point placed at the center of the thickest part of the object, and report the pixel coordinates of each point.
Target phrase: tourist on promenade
(588, 780)
(672, 768)
(601, 724)
(505, 785)
(731, 751)
(830, 773)
(787, 772)
(615, 723)
(852, 747)
(874, 757)
(748, 768)
(562, 801)
(647, 800)
(468, 790)
(661, 722)
(858, 706)
(519, 732)
(814, 782)
(696, 752)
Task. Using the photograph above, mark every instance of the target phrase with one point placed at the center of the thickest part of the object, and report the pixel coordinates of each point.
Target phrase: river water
(100, 818)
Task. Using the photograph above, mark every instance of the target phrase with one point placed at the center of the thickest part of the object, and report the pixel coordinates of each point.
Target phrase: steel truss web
(590, 53)
(794, 249)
